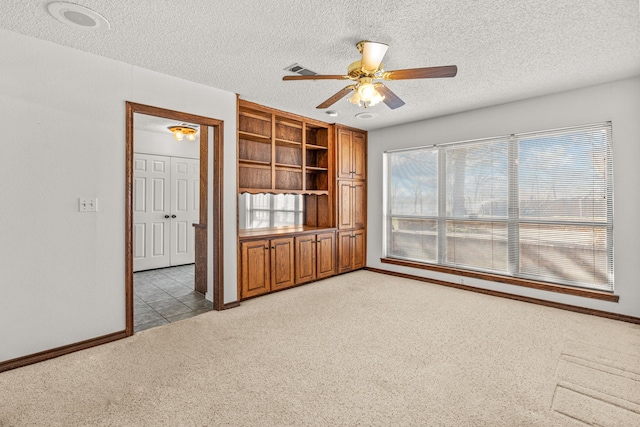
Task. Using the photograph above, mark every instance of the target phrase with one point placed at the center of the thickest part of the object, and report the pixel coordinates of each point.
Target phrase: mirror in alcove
(269, 210)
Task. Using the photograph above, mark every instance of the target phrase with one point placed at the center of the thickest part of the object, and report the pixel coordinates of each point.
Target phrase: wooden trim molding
(544, 286)
(215, 189)
(231, 305)
(561, 306)
(60, 351)
(218, 225)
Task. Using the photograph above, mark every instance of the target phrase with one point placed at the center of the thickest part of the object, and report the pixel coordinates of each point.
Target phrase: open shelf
(315, 147)
(254, 176)
(250, 150)
(254, 124)
(287, 130)
(284, 142)
(287, 166)
(317, 180)
(287, 179)
(254, 137)
(281, 152)
(317, 136)
(253, 162)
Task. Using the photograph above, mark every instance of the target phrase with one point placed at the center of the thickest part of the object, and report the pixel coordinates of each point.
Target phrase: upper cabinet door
(344, 154)
(358, 156)
(358, 205)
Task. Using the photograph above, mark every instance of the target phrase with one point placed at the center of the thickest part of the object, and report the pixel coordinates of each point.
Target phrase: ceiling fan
(364, 72)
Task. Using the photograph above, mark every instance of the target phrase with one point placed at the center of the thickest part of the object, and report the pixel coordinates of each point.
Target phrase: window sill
(568, 290)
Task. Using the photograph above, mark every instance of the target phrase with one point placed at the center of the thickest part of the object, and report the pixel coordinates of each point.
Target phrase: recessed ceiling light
(77, 16)
(332, 113)
(366, 116)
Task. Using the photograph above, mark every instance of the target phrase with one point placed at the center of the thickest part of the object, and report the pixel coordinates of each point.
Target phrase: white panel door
(185, 204)
(151, 211)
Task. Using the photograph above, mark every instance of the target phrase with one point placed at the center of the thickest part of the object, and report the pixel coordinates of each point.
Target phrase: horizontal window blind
(535, 205)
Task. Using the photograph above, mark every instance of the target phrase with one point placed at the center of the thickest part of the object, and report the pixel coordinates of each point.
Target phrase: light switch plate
(87, 205)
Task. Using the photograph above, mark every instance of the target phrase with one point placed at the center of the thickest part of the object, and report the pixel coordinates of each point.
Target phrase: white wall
(163, 144)
(62, 272)
(616, 101)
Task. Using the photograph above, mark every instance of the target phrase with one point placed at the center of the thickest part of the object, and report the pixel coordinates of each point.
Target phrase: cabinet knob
(173, 216)
(166, 216)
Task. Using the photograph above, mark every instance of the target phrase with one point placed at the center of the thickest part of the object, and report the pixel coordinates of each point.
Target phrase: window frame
(513, 220)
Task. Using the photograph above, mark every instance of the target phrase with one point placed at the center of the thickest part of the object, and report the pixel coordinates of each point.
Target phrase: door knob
(173, 216)
(166, 216)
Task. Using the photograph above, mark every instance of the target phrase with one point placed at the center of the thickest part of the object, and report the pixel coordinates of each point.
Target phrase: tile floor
(165, 295)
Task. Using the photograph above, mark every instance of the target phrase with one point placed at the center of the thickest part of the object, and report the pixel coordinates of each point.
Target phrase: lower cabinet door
(325, 255)
(305, 258)
(359, 248)
(282, 263)
(345, 242)
(255, 268)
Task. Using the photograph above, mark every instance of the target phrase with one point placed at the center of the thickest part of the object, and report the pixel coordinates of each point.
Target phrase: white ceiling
(505, 50)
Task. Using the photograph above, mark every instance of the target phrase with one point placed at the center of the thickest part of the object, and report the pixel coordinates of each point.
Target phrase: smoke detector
(77, 16)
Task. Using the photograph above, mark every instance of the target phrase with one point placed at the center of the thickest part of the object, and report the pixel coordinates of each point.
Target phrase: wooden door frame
(217, 185)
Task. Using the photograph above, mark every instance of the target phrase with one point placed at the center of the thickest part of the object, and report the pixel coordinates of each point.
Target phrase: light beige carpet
(355, 350)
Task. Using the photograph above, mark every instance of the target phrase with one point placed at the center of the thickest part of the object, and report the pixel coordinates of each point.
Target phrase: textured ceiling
(505, 50)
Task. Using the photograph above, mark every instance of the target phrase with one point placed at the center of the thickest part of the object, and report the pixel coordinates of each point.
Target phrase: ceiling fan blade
(335, 98)
(422, 73)
(392, 100)
(317, 77)
(372, 54)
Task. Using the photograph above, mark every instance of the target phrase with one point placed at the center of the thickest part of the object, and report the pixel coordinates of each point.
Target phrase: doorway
(207, 230)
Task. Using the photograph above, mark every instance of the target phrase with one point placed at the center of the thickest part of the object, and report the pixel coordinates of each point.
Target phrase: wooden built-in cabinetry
(278, 261)
(351, 250)
(351, 191)
(351, 154)
(267, 265)
(284, 153)
(315, 256)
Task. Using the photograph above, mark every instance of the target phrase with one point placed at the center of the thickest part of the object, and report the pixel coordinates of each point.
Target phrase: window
(269, 210)
(535, 206)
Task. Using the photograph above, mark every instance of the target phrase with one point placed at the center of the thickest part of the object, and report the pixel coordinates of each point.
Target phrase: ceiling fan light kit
(366, 92)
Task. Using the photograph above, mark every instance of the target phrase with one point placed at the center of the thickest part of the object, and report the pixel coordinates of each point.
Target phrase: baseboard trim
(229, 305)
(60, 351)
(550, 287)
(568, 307)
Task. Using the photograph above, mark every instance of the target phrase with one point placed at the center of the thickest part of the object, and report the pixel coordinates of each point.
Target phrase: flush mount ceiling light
(180, 132)
(77, 16)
